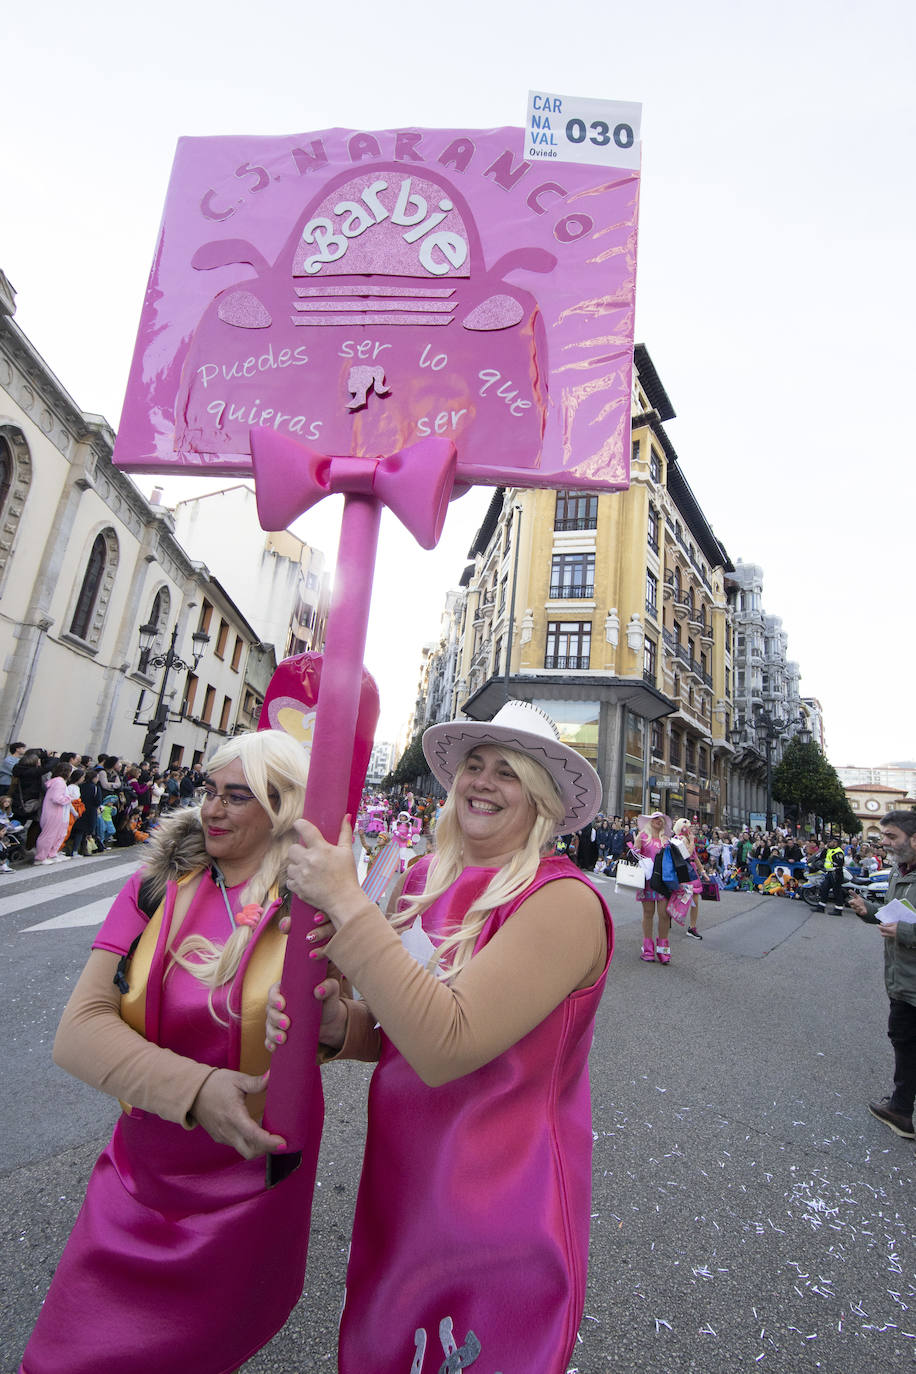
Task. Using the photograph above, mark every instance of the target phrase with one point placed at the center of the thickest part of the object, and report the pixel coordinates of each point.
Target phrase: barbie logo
(432, 231)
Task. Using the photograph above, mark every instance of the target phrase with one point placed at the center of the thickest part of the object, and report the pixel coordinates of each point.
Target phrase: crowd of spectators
(113, 803)
(734, 855)
(53, 806)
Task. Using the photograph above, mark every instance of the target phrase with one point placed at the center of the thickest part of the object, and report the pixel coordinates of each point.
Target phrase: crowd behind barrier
(743, 860)
(55, 805)
(112, 803)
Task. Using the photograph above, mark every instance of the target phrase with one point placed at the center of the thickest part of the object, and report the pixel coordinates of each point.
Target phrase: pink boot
(663, 952)
(648, 951)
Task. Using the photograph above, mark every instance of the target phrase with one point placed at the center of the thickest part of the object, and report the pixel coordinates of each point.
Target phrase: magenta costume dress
(472, 1219)
(648, 848)
(180, 1259)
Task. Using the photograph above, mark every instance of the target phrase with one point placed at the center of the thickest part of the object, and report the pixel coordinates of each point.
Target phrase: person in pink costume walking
(55, 817)
(685, 835)
(478, 1000)
(653, 834)
(180, 1259)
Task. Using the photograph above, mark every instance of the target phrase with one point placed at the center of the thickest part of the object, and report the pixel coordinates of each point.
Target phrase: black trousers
(832, 883)
(901, 1031)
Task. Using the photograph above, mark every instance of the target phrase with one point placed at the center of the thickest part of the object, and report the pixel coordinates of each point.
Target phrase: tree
(804, 780)
(411, 765)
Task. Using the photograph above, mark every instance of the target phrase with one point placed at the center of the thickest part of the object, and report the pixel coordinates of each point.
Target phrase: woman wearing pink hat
(653, 834)
(478, 1000)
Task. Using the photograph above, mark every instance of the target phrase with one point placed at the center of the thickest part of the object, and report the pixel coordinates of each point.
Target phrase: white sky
(776, 278)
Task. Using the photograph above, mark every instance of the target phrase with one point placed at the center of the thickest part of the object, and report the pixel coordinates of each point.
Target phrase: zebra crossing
(77, 892)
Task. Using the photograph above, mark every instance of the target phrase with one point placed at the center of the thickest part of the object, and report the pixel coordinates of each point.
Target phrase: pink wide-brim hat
(642, 822)
(523, 726)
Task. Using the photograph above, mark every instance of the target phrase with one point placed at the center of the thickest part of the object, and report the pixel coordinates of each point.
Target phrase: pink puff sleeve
(125, 920)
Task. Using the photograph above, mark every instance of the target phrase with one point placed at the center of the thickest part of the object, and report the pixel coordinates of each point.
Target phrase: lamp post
(770, 729)
(167, 661)
(518, 531)
(736, 736)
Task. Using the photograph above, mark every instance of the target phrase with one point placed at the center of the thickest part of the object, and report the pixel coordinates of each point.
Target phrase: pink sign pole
(289, 477)
(295, 1102)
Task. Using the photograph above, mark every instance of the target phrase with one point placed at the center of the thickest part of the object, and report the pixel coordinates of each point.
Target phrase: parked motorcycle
(871, 886)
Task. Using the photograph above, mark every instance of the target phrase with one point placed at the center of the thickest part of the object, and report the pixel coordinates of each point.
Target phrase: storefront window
(577, 722)
(634, 760)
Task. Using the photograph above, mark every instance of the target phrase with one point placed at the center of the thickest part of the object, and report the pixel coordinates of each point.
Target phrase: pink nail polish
(317, 954)
(319, 918)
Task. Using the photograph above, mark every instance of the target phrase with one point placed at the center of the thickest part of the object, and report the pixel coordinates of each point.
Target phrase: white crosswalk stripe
(91, 915)
(68, 885)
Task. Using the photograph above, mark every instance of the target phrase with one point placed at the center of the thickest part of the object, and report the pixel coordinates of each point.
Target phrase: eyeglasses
(232, 798)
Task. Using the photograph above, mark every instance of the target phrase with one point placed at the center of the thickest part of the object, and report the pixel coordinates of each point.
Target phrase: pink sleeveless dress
(472, 1220)
(648, 848)
(180, 1258)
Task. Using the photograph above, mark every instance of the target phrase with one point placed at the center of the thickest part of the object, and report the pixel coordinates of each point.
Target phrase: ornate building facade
(85, 563)
(612, 612)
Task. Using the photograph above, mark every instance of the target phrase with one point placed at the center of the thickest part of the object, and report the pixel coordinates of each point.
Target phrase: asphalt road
(748, 1212)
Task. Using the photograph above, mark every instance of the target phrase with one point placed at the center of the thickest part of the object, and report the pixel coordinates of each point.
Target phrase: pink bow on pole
(415, 483)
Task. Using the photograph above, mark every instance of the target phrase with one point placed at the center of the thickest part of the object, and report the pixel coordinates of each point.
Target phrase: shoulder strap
(134, 969)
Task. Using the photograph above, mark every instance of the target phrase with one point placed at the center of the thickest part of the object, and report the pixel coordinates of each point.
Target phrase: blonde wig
(509, 881)
(276, 771)
(681, 828)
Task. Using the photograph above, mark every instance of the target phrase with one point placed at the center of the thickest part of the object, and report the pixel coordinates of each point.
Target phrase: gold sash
(262, 966)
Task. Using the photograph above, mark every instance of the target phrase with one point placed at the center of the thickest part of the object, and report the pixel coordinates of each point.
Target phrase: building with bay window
(609, 611)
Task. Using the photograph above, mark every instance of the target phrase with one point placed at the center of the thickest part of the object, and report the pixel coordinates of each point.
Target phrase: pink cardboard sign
(362, 291)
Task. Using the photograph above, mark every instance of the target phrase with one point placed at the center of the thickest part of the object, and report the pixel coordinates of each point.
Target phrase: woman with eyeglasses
(180, 1259)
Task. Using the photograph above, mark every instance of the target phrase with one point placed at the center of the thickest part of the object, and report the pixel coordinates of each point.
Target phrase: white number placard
(564, 128)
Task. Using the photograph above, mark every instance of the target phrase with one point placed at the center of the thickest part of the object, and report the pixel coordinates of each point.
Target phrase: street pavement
(748, 1212)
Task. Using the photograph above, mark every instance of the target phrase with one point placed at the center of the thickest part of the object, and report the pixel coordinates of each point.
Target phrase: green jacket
(900, 953)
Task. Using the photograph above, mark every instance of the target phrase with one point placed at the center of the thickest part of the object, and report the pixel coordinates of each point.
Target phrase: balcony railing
(570, 663)
(576, 522)
(571, 592)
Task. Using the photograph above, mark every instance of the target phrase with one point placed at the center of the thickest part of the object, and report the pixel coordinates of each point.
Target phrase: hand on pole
(324, 875)
(219, 1108)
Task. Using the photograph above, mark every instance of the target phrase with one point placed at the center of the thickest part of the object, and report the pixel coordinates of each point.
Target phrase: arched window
(15, 480)
(159, 615)
(6, 471)
(89, 592)
(91, 605)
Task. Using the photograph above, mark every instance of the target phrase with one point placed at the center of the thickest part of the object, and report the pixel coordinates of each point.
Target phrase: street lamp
(518, 543)
(769, 730)
(167, 661)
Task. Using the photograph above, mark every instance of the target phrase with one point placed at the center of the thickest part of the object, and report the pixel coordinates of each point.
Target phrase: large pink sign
(362, 291)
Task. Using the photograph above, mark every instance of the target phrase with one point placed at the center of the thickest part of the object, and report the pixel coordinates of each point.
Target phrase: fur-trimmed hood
(176, 848)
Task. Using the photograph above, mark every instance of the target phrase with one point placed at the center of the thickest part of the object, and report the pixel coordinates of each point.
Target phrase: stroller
(12, 843)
